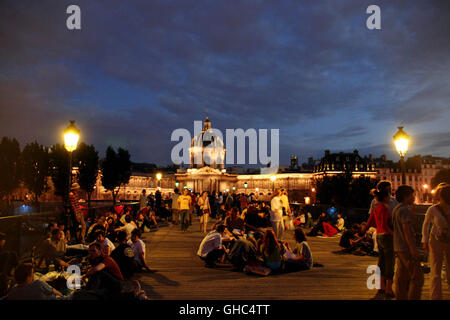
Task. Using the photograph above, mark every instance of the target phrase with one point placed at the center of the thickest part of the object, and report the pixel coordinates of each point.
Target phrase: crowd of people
(250, 238)
(248, 235)
(390, 234)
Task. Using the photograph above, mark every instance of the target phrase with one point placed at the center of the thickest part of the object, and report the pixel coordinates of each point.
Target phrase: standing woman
(381, 219)
(205, 211)
(437, 241)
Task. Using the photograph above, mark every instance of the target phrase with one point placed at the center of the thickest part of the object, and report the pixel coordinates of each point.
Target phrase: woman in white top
(437, 218)
(205, 210)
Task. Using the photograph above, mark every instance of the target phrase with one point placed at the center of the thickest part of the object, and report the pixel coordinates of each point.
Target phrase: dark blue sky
(139, 69)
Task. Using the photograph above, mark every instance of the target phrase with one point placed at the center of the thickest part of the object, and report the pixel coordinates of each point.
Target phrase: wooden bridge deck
(181, 274)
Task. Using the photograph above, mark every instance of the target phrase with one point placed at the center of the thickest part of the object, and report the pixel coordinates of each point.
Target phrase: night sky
(140, 69)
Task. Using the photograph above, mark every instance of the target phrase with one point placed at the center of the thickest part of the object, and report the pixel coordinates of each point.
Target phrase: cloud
(139, 69)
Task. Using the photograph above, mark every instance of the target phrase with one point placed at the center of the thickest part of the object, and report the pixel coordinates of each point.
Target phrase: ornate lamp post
(71, 138)
(401, 141)
(245, 187)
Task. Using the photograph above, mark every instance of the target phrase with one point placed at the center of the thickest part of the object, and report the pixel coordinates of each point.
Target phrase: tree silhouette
(116, 170)
(59, 172)
(442, 175)
(35, 168)
(87, 161)
(10, 174)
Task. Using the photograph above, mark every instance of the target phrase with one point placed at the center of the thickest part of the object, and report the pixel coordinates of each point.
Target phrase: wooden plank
(182, 275)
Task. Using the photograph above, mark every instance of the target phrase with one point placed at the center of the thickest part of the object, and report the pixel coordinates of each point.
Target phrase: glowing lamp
(71, 137)
(401, 140)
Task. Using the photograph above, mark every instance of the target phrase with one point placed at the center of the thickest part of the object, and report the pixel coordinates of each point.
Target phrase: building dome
(207, 149)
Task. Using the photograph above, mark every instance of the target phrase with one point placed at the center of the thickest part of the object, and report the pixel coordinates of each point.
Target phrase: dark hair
(270, 241)
(355, 226)
(383, 185)
(175, 190)
(299, 235)
(136, 232)
(121, 236)
(403, 192)
(99, 232)
(445, 194)
(22, 272)
(380, 195)
(128, 218)
(220, 228)
(96, 246)
(55, 231)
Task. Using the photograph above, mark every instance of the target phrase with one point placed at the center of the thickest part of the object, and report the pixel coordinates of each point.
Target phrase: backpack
(444, 236)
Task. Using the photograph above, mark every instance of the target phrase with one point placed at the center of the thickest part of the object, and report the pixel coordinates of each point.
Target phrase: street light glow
(158, 176)
(71, 137)
(401, 140)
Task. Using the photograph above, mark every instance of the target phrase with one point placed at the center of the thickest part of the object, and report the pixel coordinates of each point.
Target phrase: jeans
(408, 277)
(386, 257)
(184, 219)
(438, 251)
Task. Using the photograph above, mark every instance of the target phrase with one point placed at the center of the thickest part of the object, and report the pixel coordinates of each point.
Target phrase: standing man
(408, 277)
(143, 200)
(276, 214)
(286, 208)
(175, 195)
(184, 206)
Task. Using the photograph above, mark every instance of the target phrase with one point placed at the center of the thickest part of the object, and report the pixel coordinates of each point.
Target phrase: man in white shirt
(128, 227)
(211, 248)
(276, 214)
(138, 247)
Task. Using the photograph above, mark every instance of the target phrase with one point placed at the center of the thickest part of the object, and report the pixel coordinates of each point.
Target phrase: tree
(344, 190)
(359, 193)
(116, 170)
(59, 172)
(35, 168)
(442, 175)
(87, 159)
(9, 167)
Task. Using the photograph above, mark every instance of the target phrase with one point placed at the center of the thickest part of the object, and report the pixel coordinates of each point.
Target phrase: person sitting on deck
(27, 288)
(211, 248)
(233, 221)
(138, 247)
(272, 251)
(128, 227)
(123, 254)
(104, 275)
(340, 222)
(54, 250)
(105, 243)
(301, 257)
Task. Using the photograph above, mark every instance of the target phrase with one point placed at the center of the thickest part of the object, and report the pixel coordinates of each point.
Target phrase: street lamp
(158, 177)
(245, 186)
(71, 137)
(401, 141)
(177, 184)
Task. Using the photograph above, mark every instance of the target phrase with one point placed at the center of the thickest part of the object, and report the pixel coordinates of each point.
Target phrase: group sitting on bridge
(248, 241)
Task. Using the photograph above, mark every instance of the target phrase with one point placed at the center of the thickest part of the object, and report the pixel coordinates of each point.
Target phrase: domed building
(207, 149)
